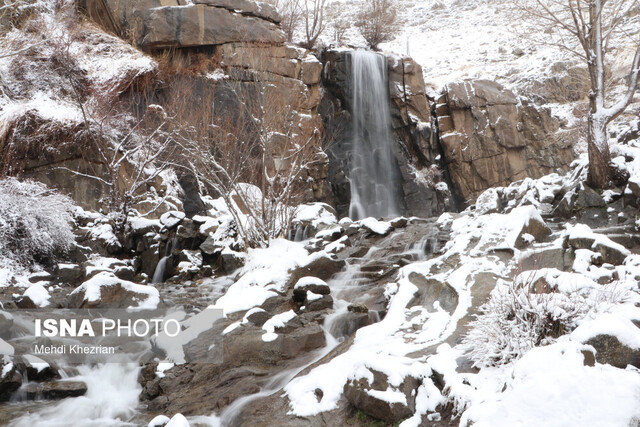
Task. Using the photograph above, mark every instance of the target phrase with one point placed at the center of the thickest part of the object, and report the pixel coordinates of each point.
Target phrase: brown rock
(201, 25)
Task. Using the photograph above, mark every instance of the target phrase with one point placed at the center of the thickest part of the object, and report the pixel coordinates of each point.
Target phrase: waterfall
(373, 174)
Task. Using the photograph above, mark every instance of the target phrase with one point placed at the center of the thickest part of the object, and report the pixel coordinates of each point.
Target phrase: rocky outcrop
(489, 137)
(204, 24)
(173, 23)
(414, 145)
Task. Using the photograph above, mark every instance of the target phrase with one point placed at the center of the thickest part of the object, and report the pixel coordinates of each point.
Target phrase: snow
(550, 386)
(277, 321)
(178, 420)
(613, 324)
(264, 274)
(378, 227)
(315, 213)
(308, 281)
(159, 421)
(38, 294)
(172, 219)
(389, 395)
(192, 327)
(92, 289)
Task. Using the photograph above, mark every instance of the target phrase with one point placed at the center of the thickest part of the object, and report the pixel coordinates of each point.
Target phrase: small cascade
(111, 399)
(161, 268)
(299, 234)
(373, 171)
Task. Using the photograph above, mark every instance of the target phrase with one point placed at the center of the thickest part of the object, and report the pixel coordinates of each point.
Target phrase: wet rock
(41, 276)
(348, 323)
(399, 222)
(9, 383)
(315, 302)
(125, 273)
(147, 373)
(634, 186)
(358, 308)
(357, 392)
(611, 254)
(54, 390)
(609, 350)
(231, 260)
(430, 291)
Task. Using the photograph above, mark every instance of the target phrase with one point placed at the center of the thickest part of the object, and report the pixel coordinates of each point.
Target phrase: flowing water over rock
(373, 175)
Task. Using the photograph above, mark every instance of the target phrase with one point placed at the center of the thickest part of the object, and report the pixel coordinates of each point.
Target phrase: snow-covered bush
(34, 223)
(527, 313)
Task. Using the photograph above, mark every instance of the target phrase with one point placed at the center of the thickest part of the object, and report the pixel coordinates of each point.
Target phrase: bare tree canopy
(590, 29)
(378, 21)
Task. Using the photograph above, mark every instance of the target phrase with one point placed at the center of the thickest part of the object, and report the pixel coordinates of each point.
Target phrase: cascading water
(373, 171)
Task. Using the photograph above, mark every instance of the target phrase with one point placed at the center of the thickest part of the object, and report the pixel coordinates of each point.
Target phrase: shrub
(520, 315)
(34, 224)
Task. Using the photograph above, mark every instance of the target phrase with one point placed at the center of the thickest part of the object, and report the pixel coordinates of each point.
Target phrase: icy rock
(609, 350)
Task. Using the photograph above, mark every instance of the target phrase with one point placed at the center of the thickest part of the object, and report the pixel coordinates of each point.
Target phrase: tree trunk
(599, 156)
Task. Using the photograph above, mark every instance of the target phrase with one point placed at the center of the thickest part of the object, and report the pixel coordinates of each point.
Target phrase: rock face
(173, 23)
(413, 146)
(203, 24)
(489, 138)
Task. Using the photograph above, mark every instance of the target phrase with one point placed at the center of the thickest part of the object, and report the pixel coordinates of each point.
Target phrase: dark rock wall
(413, 147)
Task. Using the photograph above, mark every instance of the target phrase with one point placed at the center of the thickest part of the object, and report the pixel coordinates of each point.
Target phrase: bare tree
(291, 13)
(314, 21)
(378, 21)
(255, 153)
(589, 29)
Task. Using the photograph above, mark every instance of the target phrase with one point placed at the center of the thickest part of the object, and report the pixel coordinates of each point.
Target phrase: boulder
(609, 350)
(320, 266)
(107, 291)
(358, 393)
